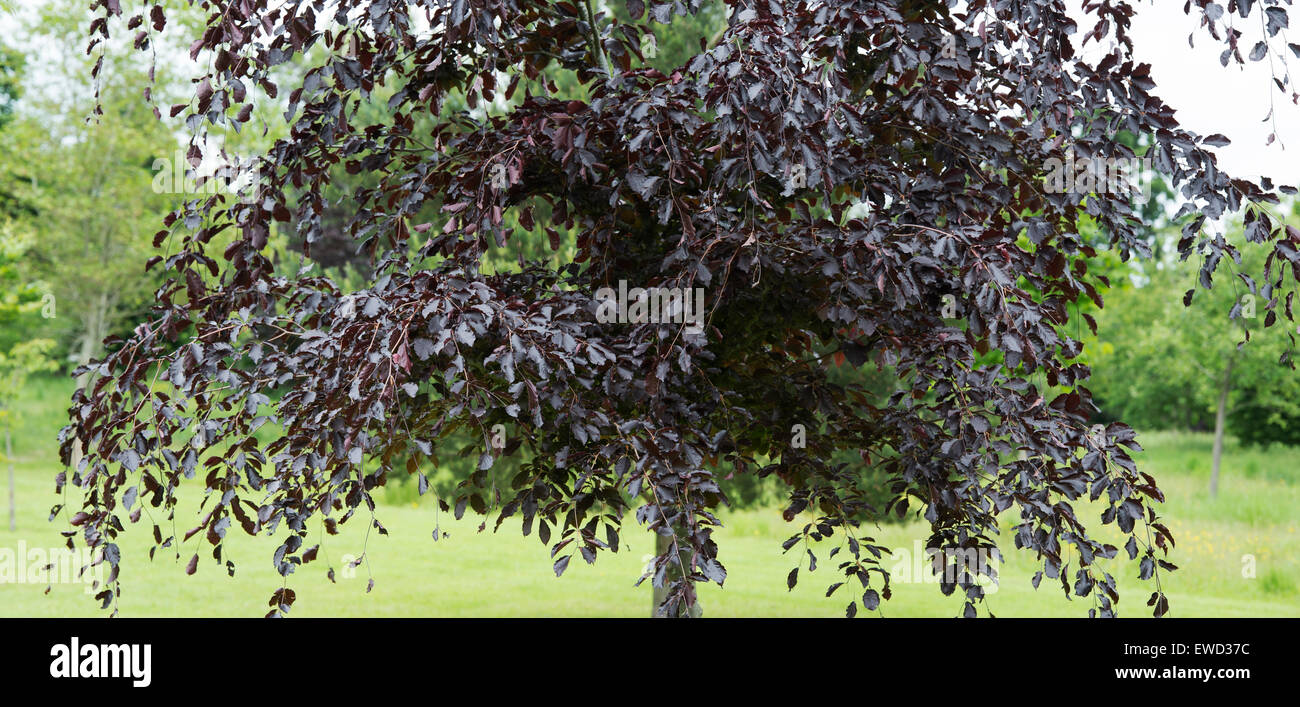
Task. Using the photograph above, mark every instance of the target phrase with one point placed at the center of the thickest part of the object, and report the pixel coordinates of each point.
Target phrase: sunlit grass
(470, 574)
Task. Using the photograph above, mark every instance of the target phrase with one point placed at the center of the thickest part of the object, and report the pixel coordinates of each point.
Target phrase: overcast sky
(1210, 98)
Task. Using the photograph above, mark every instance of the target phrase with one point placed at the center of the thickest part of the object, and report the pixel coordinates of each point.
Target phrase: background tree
(19, 301)
(1165, 365)
(22, 299)
(88, 189)
(831, 175)
(11, 66)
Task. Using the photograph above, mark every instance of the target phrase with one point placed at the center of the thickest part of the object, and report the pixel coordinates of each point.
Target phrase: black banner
(189, 656)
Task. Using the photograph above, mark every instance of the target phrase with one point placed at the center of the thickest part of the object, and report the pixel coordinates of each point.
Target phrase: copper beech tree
(861, 180)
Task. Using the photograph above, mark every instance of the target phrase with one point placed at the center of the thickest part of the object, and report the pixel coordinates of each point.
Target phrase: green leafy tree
(19, 303)
(90, 186)
(22, 299)
(11, 67)
(1162, 365)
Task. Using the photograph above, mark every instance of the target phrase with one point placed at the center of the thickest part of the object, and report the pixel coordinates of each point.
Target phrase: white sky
(1210, 98)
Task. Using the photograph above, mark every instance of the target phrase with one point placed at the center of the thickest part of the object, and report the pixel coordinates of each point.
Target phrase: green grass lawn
(1257, 513)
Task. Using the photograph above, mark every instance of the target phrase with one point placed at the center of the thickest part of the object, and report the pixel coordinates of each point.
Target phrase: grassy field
(1257, 513)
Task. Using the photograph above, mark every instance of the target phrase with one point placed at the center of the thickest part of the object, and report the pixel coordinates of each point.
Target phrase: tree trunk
(663, 545)
(9, 457)
(1220, 418)
(96, 328)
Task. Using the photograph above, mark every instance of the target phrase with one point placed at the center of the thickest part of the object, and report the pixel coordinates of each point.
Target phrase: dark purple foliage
(681, 180)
